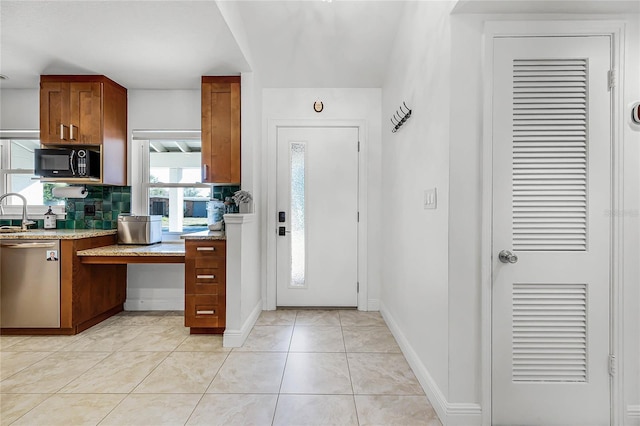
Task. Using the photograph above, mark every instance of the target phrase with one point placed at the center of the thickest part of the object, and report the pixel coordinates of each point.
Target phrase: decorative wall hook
(400, 117)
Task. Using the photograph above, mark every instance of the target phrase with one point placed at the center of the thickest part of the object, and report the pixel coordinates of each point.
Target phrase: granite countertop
(160, 249)
(56, 234)
(205, 235)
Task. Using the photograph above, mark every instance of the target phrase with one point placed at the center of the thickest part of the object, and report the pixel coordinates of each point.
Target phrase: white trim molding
(614, 29)
(234, 338)
(450, 413)
(243, 282)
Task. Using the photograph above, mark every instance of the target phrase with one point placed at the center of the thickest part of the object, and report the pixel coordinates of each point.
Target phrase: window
(166, 179)
(17, 175)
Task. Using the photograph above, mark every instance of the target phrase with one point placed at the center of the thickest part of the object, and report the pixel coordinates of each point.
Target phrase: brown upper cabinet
(221, 129)
(88, 110)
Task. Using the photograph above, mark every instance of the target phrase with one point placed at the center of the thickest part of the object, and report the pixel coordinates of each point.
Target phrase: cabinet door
(221, 130)
(54, 112)
(85, 121)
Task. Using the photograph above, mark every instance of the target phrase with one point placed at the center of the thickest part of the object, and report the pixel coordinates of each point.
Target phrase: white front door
(317, 216)
(551, 204)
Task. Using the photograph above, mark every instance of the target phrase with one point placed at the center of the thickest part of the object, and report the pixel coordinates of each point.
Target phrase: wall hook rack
(400, 117)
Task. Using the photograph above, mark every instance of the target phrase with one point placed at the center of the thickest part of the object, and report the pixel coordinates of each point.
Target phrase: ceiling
(169, 44)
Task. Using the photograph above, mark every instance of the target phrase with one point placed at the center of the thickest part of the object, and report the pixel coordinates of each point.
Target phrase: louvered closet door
(551, 198)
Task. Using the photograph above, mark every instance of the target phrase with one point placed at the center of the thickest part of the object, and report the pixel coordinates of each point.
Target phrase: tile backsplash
(222, 192)
(107, 201)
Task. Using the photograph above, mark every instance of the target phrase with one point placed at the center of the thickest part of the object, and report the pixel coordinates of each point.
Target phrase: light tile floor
(297, 367)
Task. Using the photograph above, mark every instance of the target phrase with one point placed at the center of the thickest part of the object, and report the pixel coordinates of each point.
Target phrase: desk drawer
(205, 249)
(204, 311)
(206, 281)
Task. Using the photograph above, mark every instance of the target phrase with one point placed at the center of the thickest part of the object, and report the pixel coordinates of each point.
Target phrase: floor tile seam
(24, 368)
(150, 372)
(284, 369)
(217, 372)
(114, 407)
(72, 379)
(346, 356)
(35, 406)
(317, 393)
(394, 394)
(195, 407)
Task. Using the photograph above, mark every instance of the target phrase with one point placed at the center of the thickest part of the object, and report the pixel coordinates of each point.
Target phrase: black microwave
(67, 163)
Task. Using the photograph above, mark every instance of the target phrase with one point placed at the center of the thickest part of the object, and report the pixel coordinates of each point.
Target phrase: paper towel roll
(70, 192)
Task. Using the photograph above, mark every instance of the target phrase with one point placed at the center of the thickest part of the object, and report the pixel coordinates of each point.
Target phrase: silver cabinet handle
(28, 245)
(71, 137)
(505, 256)
(205, 248)
(208, 312)
(205, 172)
(62, 126)
(204, 277)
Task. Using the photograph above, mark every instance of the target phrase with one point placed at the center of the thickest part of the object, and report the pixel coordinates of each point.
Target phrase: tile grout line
(293, 329)
(346, 354)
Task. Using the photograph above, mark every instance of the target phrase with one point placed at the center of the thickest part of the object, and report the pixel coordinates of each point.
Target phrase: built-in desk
(120, 254)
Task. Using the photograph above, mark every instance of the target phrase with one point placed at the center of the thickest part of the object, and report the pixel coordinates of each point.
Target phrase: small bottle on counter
(49, 219)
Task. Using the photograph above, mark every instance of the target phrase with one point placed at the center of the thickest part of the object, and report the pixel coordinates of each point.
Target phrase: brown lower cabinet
(89, 294)
(205, 286)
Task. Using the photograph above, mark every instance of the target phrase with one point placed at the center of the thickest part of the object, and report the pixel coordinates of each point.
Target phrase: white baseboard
(235, 338)
(173, 304)
(450, 414)
(633, 414)
(373, 304)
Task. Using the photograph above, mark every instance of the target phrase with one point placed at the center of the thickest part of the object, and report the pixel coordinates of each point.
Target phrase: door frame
(270, 224)
(497, 29)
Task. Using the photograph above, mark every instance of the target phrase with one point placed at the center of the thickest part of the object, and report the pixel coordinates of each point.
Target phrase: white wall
(465, 201)
(431, 281)
(19, 109)
(339, 104)
(465, 207)
(180, 110)
(630, 216)
(414, 296)
(159, 287)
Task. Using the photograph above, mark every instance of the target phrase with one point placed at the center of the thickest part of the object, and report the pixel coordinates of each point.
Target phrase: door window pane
(297, 215)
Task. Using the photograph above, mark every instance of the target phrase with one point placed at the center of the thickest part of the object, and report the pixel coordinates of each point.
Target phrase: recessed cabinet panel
(221, 129)
(54, 111)
(85, 124)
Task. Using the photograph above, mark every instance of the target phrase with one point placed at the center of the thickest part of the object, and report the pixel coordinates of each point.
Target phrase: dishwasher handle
(28, 245)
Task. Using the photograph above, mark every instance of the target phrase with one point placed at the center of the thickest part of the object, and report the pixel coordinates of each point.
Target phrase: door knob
(506, 256)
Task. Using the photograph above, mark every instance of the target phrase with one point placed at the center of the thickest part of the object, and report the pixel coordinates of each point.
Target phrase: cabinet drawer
(206, 281)
(205, 249)
(209, 262)
(204, 311)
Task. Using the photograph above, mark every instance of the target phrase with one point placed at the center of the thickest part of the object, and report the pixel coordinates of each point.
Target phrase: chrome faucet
(25, 220)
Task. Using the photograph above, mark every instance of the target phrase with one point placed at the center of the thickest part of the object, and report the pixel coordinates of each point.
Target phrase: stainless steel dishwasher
(30, 283)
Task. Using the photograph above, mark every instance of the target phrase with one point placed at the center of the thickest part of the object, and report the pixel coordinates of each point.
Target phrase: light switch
(430, 198)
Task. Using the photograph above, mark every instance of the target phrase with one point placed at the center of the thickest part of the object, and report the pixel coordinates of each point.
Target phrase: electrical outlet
(430, 198)
(89, 210)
